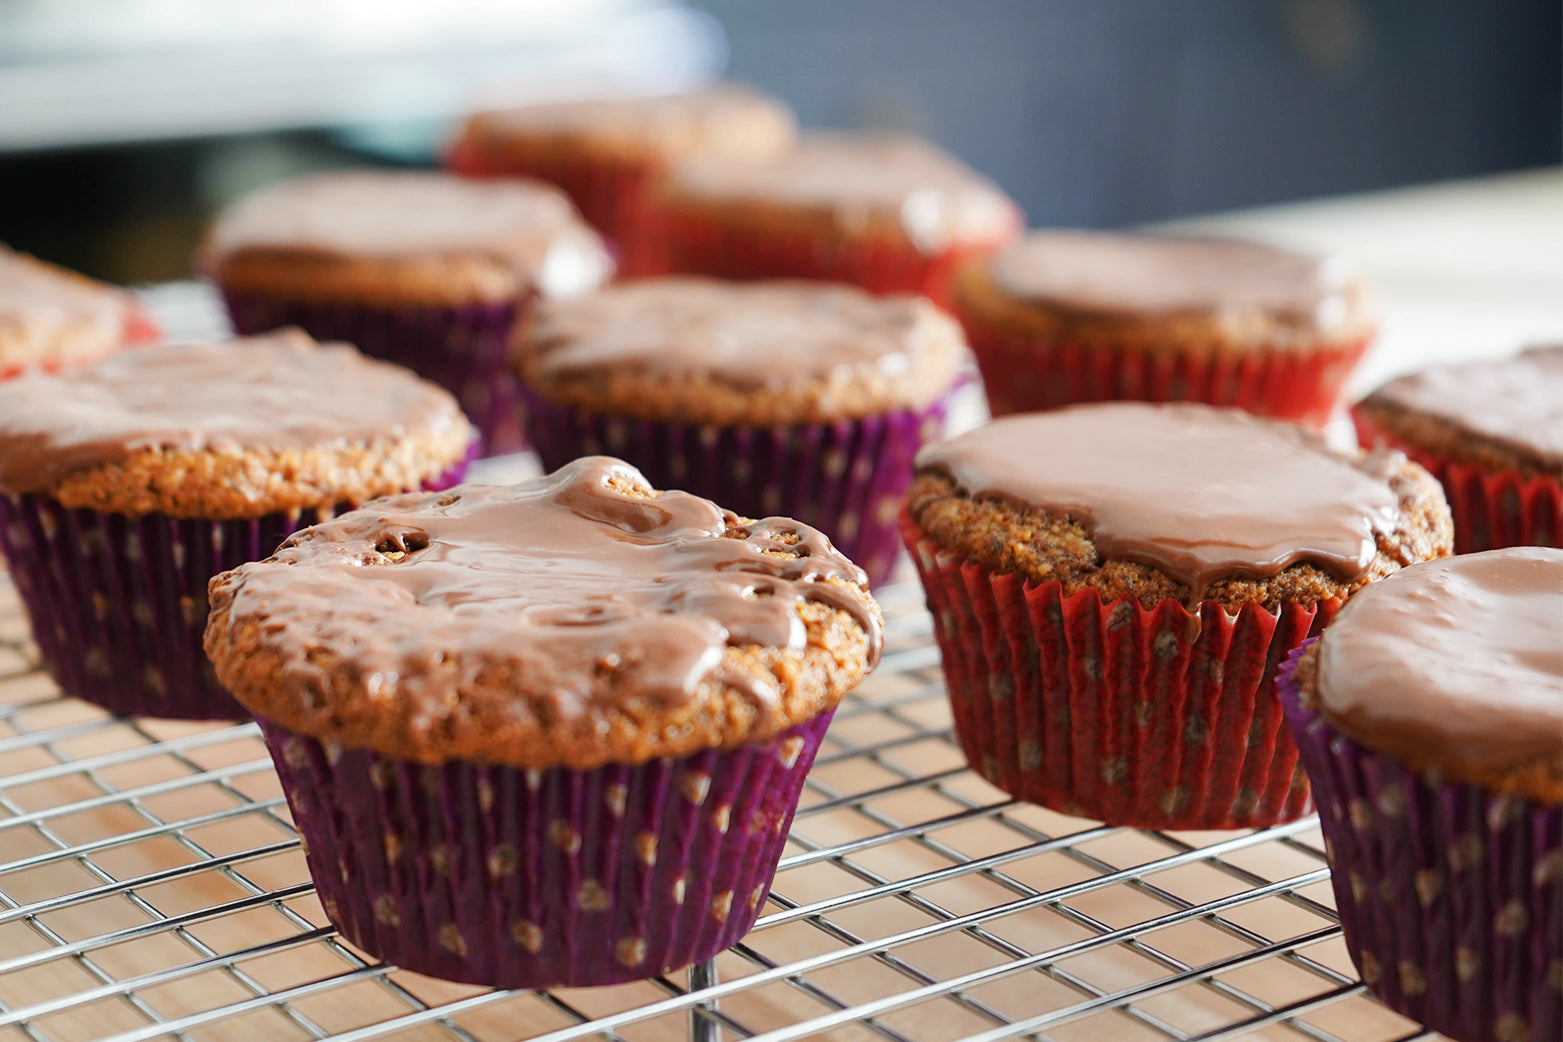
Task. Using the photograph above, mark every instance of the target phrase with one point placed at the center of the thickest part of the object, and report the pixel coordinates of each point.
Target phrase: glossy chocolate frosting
(277, 392)
(864, 179)
(1114, 273)
(530, 228)
(591, 592)
(1455, 663)
(1199, 493)
(34, 294)
(748, 334)
(1515, 401)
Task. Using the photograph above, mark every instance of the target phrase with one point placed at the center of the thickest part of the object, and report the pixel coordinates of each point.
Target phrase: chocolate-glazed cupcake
(125, 486)
(1075, 316)
(774, 397)
(425, 270)
(550, 734)
(1492, 433)
(610, 154)
(892, 214)
(53, 320)
(1113, 586)
(1430, 718)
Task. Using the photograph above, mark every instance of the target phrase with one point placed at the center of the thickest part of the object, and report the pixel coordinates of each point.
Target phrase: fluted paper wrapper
(1492, 509)
(548, 878)
(1450, 896)
(698, 244)
(460, 348)
(1162, 718)
(1026, 373)
(846, 479)
(118, 604)
(613, 197)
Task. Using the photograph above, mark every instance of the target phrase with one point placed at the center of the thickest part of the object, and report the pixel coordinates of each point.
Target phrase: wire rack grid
(152, 887)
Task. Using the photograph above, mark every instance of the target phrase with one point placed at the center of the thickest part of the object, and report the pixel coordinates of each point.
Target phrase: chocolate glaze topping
(528, 227)
(1515, 401)
(1112, 273)
(275, 392)
(32, 292)
(751, 335)
(1200, 493)
(934, 197)
(591, 596)
(1455, 663)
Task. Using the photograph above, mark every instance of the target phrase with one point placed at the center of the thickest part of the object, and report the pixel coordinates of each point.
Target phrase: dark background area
(1106, 113)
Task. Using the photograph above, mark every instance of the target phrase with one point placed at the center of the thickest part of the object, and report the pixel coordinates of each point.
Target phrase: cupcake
(53, 320)
(1492, 432)
(790, 398)
(610, 154)
(550, 734)
(1114, 585)
(125, 486)
(1074, 316)
(891, 214)
(424, 270)
(1430, 718)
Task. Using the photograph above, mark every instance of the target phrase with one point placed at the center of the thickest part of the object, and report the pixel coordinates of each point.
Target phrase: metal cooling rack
(151, 887)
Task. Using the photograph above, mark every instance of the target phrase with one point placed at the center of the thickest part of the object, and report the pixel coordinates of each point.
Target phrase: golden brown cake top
(863, 182)
(731, 120)
(1198, 494)
(280, 396)
(1456, 666)
(831, 350)
(1514, 403)
(578, 619)
(503, 236)
(50, 316)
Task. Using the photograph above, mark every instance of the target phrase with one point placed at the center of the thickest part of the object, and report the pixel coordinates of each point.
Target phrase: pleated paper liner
(1492, 509)
(140, 329)
(613, 197)
(846, 478)
(460, 348)
(700, 244)
(1450, 896)
(546, 878)
(1162, 718)
(1024, 373)
(117, 604)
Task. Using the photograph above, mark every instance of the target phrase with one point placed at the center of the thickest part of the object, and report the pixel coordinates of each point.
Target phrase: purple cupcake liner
(1450, 896)
(846, 479)
(518, 878)
(460, 348)
(118, 604)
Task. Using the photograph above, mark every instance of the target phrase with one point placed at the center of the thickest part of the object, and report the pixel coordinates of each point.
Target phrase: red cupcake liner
(1492, 509)
(613, 197)
(846, 479)
(1028, 373)
(117, 604)
(1450, 896)
(462, 349)
(700, 244)
(1162, 718)
(139, 328)
(545, 878)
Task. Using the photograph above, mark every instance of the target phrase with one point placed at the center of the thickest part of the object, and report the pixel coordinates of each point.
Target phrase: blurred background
(125, 123)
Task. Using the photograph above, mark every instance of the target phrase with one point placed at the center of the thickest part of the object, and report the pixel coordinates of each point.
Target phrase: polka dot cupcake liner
(1450, 896)
(117, 604)
(460, 348)
(699, 244)
(613, 197)
(544, 878)
(1026, 373)
(1492, 509)
(847, 479)
(1159, 718)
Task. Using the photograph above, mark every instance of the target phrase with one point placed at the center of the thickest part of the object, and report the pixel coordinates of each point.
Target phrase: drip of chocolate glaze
(591, 592)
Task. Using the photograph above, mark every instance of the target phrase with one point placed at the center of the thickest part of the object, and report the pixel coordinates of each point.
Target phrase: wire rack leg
(702, 1028)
